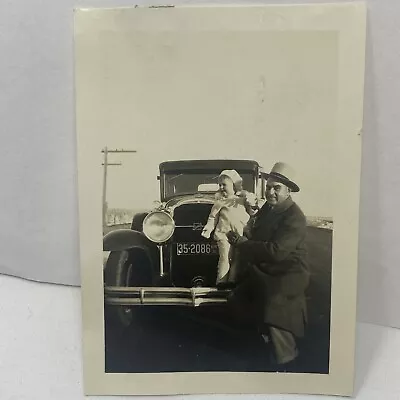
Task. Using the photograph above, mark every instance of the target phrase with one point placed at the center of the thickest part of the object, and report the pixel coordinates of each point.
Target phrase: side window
(248, 181)
(261, 187)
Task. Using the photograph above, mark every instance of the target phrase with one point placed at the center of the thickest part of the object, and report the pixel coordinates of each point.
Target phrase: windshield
(184, 183)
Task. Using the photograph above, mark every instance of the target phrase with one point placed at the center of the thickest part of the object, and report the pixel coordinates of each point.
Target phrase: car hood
(207, 198)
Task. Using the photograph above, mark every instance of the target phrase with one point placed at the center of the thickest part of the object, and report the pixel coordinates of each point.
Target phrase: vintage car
(163, 259)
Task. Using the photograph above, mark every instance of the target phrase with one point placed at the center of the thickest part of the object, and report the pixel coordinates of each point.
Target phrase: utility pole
(106, 164)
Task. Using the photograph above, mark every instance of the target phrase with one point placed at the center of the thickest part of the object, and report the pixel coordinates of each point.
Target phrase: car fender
(125, 239)
(130, 240)
(137, 221)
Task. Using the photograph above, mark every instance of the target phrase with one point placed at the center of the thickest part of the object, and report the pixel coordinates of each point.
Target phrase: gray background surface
(38, 200)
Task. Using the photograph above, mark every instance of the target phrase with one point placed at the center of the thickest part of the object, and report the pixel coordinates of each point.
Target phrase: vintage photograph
(225, 272)
(210, 157)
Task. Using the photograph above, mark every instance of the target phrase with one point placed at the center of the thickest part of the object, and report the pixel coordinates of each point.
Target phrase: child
(231, 211)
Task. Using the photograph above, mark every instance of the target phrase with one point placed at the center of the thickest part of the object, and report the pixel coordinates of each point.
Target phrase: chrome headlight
(158, 226)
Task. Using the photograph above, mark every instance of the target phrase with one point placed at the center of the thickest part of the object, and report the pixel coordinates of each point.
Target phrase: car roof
(219, 165)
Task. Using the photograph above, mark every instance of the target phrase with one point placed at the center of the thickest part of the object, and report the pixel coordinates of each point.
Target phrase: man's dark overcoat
(277, 271)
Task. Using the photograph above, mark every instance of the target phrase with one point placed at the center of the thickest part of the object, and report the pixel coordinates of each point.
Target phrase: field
(180, 339)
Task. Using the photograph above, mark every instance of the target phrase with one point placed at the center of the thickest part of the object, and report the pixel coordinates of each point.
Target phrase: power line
(108, 164)
(118, 150)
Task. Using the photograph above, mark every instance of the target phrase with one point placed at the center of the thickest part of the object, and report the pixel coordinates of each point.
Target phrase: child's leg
(234, 256)
(223, 262)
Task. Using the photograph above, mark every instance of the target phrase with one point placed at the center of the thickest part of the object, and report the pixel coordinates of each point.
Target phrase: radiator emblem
(197, 226)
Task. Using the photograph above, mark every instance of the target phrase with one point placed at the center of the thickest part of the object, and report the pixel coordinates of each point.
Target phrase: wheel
(126, 269)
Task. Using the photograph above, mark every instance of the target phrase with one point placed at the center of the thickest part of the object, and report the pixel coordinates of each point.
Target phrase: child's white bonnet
(234, 175)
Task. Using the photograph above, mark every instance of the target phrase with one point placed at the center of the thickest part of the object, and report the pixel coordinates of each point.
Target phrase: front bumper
(134, 296)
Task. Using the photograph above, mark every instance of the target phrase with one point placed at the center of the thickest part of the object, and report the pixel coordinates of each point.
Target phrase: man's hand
(234, 238)
(247, 232)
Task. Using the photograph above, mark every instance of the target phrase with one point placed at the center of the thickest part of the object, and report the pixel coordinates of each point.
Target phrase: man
(277, 275)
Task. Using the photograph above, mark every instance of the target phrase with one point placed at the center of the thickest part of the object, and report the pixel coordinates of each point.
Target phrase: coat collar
(279, 208)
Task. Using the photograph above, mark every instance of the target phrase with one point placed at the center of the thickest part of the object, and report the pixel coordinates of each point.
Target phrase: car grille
(187, 269)
(190, 220)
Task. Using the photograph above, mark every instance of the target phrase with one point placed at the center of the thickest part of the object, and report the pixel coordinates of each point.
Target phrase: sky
(267, 96)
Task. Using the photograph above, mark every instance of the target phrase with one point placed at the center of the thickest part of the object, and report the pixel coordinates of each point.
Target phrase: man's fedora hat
(283, 173)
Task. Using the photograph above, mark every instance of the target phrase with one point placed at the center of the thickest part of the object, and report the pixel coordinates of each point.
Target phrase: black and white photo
(200, 257)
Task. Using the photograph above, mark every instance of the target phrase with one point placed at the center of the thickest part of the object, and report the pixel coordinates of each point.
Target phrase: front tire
(126, 268)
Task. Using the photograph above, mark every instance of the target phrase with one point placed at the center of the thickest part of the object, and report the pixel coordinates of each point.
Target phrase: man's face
(226, 186)
(276, 192)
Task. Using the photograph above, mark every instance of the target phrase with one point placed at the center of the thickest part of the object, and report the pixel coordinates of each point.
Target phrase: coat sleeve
(285, 240)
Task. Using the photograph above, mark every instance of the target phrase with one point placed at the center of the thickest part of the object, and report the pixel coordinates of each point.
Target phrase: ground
(171, 339)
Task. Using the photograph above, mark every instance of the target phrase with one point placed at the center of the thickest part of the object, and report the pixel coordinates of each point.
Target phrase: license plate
(187, 249)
